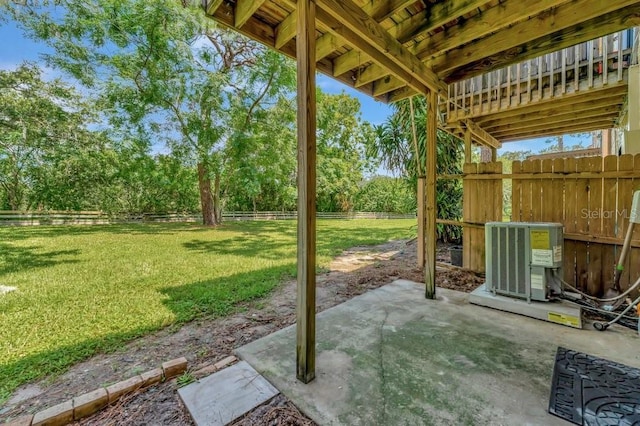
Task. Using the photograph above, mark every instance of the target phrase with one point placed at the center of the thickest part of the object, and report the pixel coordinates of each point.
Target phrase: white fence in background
(35, 218)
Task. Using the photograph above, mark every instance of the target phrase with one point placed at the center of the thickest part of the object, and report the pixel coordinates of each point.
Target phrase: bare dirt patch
(208, 340)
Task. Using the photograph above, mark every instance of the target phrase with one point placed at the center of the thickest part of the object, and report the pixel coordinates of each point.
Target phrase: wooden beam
(386, 85)
(286, 30)
(435, 16)
(400, 94)
(550, 129)
(257, 30)
(555, 120)
(393, 67)
(467, 145)
(348, 61)
(430, 198)
(306, 291)
(245, 10)
(546, 132)
(617, 91)
(381, 10)
(346, 19)
(378, 9)
(488, 22)
(212, 5)
(571, 23)
(326, 44)
(546, 114)
(369, 74)
(481, 135)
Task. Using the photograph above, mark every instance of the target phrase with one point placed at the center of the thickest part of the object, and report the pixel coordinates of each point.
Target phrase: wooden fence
(590, 196)
(481, 203)
(34, 218)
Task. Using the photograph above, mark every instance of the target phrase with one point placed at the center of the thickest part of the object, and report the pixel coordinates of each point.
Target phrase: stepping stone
(226, 395)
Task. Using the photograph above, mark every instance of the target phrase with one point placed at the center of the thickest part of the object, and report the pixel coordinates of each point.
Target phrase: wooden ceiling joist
(212, 5)
(286, 30)
(586, 127)
(400, 94)
(551, 129)
(346, 19)
(433, 17)
(612, 96)
(556, 122)
(394, 49)
(379, 10)
(486, 23)
(556, 115)
(259, 31)
(386, 85)
(563, 26)
(437, 15)
(245, 10)
(326, 44)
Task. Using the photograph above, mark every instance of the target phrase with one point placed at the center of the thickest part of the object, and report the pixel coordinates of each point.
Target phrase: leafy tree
(40, 123)
(342, 140)
(260, 173)
(396, 148)
(386, 194)
(142, 183)
(163, 66)
(262, 162)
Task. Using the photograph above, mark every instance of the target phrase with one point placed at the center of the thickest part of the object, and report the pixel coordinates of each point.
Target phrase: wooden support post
(464, 98)
(467, 145)
(430, 198)
(518, 80)
(605, 60)
(540, 91)
(508, 87)
(494, 155)
(620, 36)
(576, 69)
(306, 294)
(421, 220)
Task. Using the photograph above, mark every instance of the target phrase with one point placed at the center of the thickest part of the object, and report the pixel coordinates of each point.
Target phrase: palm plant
(400, 147)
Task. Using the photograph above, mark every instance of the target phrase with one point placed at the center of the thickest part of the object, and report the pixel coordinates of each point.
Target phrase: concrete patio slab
(390, 357)
(226, 395)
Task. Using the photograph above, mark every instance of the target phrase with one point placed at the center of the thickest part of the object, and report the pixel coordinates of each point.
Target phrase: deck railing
(594, 63)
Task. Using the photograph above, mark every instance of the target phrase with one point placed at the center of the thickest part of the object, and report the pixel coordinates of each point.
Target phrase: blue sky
(15, 49)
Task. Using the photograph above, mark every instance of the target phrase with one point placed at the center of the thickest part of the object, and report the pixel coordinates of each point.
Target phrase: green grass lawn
(86, 289)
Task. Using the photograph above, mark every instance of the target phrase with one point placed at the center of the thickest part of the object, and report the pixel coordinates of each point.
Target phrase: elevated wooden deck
(580, 88)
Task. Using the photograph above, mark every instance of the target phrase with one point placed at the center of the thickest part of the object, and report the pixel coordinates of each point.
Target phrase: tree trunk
(14, 196)
(485, 154)
(217, 208)
(206, 199)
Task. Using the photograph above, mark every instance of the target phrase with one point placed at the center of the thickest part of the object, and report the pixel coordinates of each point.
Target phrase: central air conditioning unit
(523, 260)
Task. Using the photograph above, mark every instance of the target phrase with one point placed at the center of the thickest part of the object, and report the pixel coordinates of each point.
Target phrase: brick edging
(94, 401)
